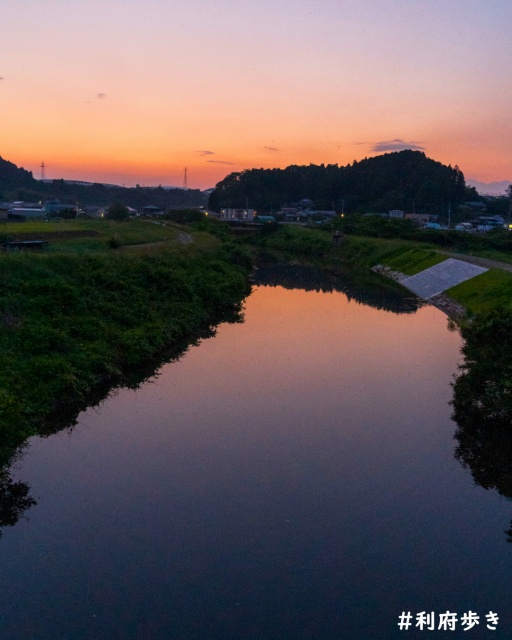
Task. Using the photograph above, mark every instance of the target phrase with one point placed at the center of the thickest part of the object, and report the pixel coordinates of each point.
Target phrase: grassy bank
(484, 293)
(71, 322)
(85, 235)
(479, 295)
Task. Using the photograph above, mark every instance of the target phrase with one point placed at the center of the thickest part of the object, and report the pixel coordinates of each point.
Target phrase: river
(291, 478)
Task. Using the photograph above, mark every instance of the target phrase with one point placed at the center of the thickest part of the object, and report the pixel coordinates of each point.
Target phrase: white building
(245, 215)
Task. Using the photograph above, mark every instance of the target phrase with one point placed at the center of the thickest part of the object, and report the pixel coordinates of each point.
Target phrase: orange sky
(133, 92)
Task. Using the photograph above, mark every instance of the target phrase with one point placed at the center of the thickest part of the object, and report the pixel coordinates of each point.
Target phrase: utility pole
(449, 213)
(185, 181)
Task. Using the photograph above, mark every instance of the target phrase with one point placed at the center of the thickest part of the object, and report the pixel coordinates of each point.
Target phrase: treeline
(377, 227)
(18, 184)
(405, 180)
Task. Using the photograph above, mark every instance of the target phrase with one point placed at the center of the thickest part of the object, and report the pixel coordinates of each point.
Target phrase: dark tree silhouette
(15, 499)
(482, 402)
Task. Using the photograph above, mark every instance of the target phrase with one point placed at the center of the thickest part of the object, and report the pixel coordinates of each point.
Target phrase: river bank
(396, 258)
(236, 493)
(75, 323)
(81, 318)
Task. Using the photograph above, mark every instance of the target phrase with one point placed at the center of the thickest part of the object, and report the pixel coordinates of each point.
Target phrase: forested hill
(19, 184)
(12, 177)
(406, 180)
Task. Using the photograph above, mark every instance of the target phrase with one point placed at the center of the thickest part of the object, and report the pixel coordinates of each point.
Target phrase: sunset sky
(133, 91)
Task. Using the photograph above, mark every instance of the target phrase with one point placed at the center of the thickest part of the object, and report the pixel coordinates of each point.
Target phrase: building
(23, 213)
(421, 218)
(57, 208)
(152, 210)
(241, 215)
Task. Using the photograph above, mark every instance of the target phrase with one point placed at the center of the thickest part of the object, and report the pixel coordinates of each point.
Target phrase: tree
(118, 212)
(14, 500)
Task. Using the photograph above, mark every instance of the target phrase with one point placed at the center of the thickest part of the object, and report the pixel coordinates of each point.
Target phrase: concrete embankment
(430, 284)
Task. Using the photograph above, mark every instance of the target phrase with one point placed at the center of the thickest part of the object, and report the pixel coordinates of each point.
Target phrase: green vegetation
(83, 235)
(74, 321)
(185, 216)
(118, 211)
(497, 241)
(412, 261)
(367, 252)
(294, 241)
(485, 292)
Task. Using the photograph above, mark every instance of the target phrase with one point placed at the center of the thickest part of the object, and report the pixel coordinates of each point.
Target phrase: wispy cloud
(219, 162)
(396, 145)
(101, 96)
(206, 153)
(271, 148)
(1, 77)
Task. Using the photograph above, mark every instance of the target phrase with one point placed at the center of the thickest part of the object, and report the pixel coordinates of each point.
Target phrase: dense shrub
(298, 241)
(69, 323)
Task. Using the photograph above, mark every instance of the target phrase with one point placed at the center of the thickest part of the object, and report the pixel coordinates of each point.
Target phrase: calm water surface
(291, 478)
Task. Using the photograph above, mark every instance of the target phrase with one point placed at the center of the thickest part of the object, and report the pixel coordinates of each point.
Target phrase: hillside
(406, 180)
(19, 184)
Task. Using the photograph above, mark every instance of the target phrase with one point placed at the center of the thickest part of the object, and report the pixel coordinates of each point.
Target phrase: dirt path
(482, 262)
(183, 238)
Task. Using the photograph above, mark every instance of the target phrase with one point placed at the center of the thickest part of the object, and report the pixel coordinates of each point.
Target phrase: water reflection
(15, 498)
(364, 288)
(482, 404)
(293, 478)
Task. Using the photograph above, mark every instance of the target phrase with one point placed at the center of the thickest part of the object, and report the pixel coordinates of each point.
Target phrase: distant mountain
(405, 180)
(12, 177)
(493, 188)
(19, 184)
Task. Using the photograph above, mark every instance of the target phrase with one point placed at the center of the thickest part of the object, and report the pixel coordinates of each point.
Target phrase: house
(22, 213)
(488, 223)
(475, 206)
(94, 211)
(288, 214)
(241, 215)
(152, 210)
(396, 213)
(57, 208)
(421, 218)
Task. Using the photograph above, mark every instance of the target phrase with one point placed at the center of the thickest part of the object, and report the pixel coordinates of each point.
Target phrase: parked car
(464, 226)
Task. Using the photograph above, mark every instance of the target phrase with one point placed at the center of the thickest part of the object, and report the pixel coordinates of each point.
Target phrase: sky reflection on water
(292, 478)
